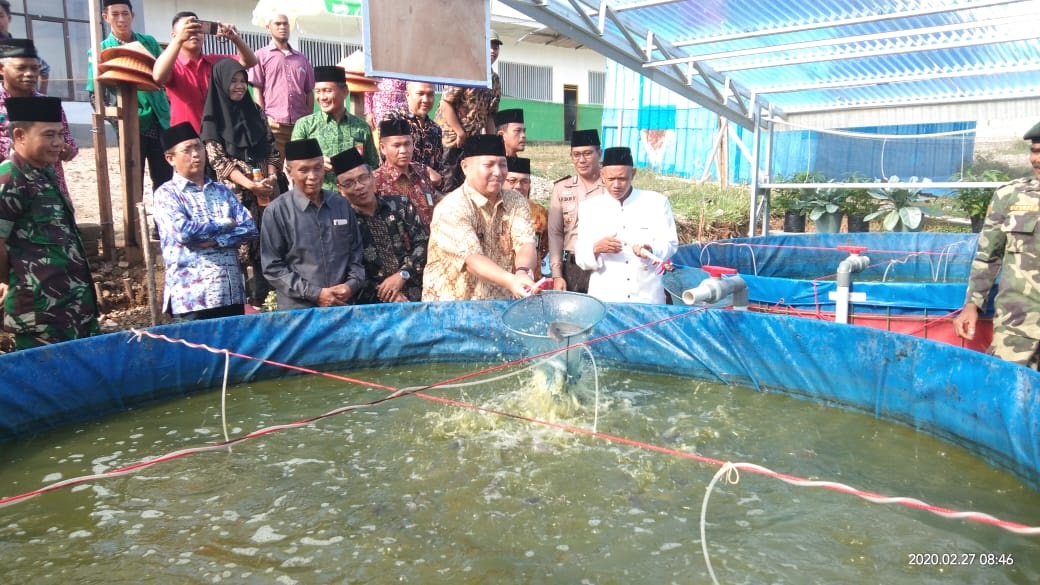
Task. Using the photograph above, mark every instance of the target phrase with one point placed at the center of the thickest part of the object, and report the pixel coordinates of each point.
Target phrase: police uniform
(1009, 246)
(567, 194)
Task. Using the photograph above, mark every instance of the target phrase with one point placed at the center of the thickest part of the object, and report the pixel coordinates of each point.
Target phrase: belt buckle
(566, 256)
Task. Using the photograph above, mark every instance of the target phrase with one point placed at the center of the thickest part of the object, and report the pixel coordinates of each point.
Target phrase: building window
(526, 82)
(597, 87)
(318, 52)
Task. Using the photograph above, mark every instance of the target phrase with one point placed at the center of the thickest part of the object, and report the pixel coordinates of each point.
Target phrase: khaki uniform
(1009, 246)
(567, 193)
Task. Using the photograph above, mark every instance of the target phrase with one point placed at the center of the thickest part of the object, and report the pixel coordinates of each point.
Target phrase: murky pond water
(418, 491)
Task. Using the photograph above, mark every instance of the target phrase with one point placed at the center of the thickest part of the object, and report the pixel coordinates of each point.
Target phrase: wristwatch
(525, 269)
(405, 274)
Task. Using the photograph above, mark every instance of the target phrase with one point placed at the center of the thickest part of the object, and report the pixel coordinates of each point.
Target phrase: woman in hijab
(238, 142)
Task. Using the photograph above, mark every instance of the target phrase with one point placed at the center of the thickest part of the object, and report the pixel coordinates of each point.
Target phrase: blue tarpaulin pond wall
(989, 406)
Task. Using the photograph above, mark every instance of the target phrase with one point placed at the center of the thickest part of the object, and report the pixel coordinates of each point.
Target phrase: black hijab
(240, 126)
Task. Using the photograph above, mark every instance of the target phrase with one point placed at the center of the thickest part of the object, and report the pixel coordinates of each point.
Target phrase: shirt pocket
(1021, 231)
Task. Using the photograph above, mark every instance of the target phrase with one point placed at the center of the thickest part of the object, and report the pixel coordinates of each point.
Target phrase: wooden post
(108, 233)
(130, 163)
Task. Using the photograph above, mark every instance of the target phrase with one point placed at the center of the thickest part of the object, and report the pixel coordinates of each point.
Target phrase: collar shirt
(51, 296)
(152, 106)
(566, 196)
(6, 141)
(413, 184)
(389, 96)
(287, 80)
(306, 247)
(187, 88)
(429, 151)
(645, 217)
(472, 106)
(188, 215)
(466, 223)
(394, 240)
(1007, 248)
(336, 136)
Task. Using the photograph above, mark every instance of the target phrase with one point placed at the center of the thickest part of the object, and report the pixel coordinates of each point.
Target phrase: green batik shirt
(51, 291)
(335, 137)
(152, 106)
(1008, 246)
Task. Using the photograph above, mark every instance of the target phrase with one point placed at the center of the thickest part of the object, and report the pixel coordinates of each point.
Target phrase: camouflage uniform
(1009, 240)
(394, 239)
(51, 292)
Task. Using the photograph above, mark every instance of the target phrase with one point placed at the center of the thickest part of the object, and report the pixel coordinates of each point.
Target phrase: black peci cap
(347, 160)
(484, 145)
(618, 156)
(585, 138)
(34, 109)
(518, 165)
(305, 149)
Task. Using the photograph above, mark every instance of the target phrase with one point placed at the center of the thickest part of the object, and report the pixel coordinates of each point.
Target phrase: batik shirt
(188, 215)
(51, 291)
(413, 184)
(466, 223)
(6, 140)
(426, 136)
(335, 137)
(472, 105)
(393, 239)
(389, 97)
(1009, 246)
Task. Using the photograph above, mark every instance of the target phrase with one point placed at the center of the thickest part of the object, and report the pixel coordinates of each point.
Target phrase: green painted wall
(544, 120)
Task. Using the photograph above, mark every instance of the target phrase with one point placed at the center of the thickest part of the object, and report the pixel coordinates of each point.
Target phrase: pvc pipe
(713, 290)
(854, 263)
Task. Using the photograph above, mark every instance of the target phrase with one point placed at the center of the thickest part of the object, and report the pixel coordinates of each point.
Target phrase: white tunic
(645, 217)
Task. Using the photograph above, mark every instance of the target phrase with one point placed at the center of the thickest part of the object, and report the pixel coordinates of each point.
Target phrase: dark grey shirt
(305, 247)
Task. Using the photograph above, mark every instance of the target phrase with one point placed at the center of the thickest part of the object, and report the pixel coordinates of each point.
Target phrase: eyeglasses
(358, 182)
(581, 154)
(515, 180)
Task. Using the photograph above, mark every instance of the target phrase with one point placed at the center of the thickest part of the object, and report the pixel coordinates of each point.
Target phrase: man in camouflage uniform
(1009, 240)
(393, 236)
(45, 281)
(567, 193)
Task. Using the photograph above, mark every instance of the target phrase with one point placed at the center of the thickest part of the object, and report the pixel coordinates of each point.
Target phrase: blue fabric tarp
(909, 273)
(968, 398)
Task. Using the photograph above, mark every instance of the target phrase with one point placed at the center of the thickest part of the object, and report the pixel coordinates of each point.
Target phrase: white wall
(995, 120)
(570, 66)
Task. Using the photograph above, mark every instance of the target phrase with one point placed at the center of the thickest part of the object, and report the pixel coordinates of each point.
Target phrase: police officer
(567, 193)
(1009, 241)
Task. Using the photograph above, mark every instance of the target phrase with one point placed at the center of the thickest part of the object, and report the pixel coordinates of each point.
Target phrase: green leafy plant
(825, 200)
(899, 205)
(798, 200)
(974, 201)
(858, 201)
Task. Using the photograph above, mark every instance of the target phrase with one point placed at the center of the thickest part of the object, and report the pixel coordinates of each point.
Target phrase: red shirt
(187, 88)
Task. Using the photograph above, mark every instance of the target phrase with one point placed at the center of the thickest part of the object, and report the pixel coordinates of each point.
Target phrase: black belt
(568, 256)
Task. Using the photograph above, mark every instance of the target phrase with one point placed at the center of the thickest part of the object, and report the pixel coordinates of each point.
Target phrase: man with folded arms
(310, 244)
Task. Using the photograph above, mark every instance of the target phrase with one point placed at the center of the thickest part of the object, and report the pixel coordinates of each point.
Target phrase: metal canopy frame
(754, 62)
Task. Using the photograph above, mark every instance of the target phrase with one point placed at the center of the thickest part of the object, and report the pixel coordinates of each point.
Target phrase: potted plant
(858, 204)
(795, 202)
(825, 209)
(975, 201)
(898, 206)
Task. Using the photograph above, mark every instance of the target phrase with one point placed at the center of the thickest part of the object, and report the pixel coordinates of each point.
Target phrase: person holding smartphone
(185, 70)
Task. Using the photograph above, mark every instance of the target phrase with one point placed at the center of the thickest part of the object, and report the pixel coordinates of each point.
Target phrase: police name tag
(341, 222)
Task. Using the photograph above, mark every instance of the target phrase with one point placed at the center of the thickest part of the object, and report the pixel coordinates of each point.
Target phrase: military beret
(1033, 134)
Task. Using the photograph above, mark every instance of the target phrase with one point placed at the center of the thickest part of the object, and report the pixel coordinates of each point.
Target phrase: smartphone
(209, 27)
